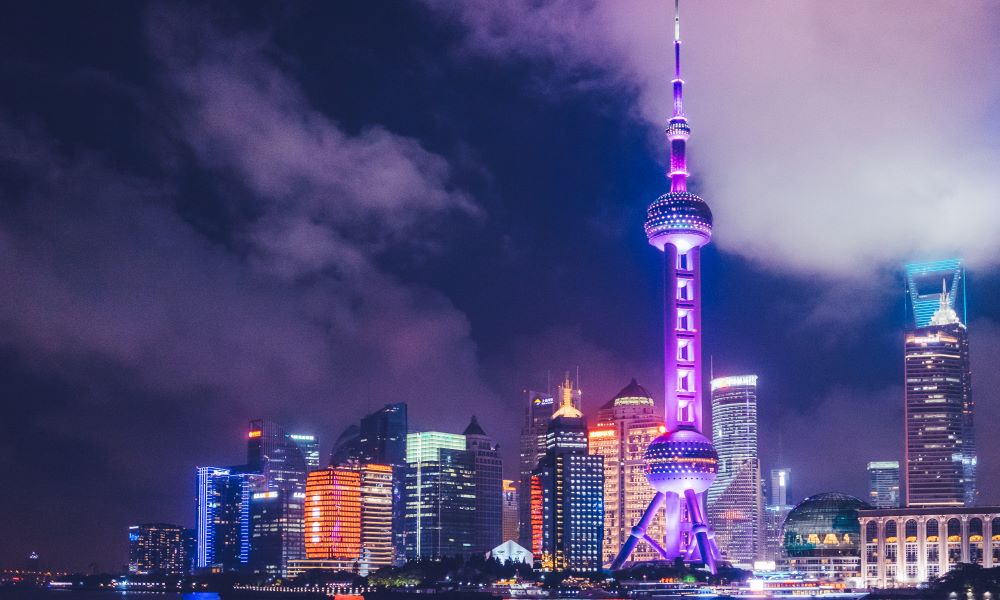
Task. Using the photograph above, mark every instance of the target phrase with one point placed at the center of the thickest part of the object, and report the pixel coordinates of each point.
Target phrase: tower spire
(678, 130)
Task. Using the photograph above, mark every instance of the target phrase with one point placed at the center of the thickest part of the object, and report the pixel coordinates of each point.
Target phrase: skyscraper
(681, 463)
(377, 545)
(333, 515)
(489, 477)
(309, 447)
(940, 441)
(537, 415)
(735, 503)
(624, 427)
(568, 496)
(223, 516)
(511, 506)
(283, 461)
(883, 484)
(780, 494)
(440, 495)
(779, 504)
(156, 549)
(275, 531)
(383, 435)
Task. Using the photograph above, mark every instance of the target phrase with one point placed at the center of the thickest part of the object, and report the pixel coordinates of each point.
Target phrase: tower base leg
(639, 532)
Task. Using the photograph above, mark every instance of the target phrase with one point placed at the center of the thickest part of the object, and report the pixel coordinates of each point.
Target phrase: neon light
(255, 434)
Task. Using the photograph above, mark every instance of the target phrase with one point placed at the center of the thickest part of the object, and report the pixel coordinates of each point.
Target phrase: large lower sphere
(681, 460)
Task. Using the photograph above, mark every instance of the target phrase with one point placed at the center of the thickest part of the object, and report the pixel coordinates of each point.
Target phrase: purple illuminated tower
(680, 464)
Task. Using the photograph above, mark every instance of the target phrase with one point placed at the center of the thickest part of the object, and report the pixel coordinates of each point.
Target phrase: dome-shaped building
(822, 536)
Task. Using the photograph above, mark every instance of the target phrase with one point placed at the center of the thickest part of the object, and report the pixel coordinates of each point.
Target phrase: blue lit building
(567, 497)
(941, 456)
(923, 289)
(382, 438)
(224, 497)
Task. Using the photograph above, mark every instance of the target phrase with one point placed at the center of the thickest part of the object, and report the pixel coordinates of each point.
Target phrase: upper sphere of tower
(678, 129)
(681, 218)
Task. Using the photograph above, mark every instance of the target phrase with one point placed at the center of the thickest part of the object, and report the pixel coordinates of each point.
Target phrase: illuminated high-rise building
(382, 436)
(308, 445)
(883, 484)
(778, 506)
(624, 427)
(510, 508)
(283, 461)
(537, 415)
(681, 464)
(223, 517)
(779, 492)
(440, 495)
(275, 531)
(940, 440)
(735, 501)
(333, 515)
(157, 549)
(489, 480)
(377, 547)
(567, 496)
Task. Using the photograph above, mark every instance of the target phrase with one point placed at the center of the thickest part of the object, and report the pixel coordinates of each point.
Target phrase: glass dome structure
(824, 525)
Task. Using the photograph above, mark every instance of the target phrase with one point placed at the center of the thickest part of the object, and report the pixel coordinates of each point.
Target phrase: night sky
(303, 211)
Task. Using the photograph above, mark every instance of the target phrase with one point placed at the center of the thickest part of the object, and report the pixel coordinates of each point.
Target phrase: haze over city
(302, 212)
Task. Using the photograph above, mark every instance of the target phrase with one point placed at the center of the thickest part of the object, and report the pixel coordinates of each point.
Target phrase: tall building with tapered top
(735, 500)
(681, 464)
(623, 429)
(567, 497)
(940, 440)
(537, 414)
(489, 481)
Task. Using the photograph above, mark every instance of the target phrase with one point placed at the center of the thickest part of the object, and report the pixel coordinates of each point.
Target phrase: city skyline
(171, 275)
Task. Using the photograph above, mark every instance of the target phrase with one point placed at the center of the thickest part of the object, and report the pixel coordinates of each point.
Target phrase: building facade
(440, 496)
(489, 484)
(511, 508)
(382, 435)
(223, 517)
(537, 414)
(904, 547)
(377, 541)
(735, 500)
(779, 492)
(157, 549)
(284, 463)
(333, 515)
(624, 427)
(275, 529)
(883, 484)
(567, 497)
(940, 439)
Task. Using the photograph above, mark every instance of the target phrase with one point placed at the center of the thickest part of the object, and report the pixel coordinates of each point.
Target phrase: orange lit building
(625, 426)
(376, 515)
(333, 514)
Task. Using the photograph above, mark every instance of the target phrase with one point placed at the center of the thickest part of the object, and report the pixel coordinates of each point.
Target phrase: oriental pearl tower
(681, 463)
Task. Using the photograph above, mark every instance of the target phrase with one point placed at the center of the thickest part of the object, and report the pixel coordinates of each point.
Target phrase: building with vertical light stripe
(439, 519)
(735, 501)
(223, 517)
(940, 449)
